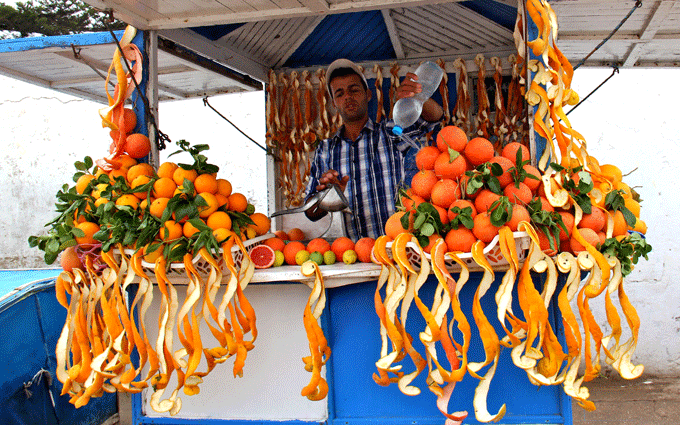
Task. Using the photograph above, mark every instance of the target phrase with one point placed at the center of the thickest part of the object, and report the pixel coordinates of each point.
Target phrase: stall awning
(77, 65)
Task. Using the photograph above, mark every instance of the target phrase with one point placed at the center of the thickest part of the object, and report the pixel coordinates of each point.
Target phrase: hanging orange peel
(317, 389)
(105, 346)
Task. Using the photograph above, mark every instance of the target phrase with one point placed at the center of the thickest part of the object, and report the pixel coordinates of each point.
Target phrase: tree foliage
(51, 17)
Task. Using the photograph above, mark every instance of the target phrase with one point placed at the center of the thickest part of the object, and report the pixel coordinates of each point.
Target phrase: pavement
(649, 400)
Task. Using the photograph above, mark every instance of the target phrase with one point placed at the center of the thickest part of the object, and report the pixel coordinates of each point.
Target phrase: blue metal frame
(65, 41)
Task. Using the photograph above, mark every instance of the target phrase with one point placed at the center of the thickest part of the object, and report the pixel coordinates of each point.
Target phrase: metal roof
(208, 47)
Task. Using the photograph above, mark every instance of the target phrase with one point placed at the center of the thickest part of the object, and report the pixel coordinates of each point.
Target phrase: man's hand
(432, 111)
(331, 177)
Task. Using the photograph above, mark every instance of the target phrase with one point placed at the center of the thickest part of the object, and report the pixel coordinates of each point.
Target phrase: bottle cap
(397, 130)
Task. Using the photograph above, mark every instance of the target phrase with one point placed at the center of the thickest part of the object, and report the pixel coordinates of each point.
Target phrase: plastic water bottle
(407, 110)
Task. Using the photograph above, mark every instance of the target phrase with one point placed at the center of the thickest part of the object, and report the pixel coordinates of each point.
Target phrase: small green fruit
(278, 258)
(250, 209)
(317, 257)
(329, 257)
(301, 256)
(349, 257)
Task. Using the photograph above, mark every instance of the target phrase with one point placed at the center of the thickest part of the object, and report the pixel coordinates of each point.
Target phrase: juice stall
(487, 330)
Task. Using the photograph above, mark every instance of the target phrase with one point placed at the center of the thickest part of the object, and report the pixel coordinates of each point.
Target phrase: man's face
(350, 97)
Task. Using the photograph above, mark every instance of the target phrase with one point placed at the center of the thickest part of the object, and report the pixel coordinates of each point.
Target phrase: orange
(158, 206)
(69, 259)
(223, 187)
(460, 239)
(450, 166)
(222, 200)
(137, 145)
(152, 256)
(485, 199)
(640, 226)
(505, 178)
(518, 195)
(451, 137)
(340, 245)
(422, 183)
(412, 203)
(463, 182)
(611, 172)
(589, 235)
(568, 220)
(545, 204)
(519, 213)
(164, 188)
(129, 119)
(237, 202)
(290, 250)
(627, 193)
(430, 244)
(83, 182)
(90, 229)
(510, 151)
(633, 206)
(596, 220)
(393, 226)
(444, 192)
(318, 245)
(532, 183)
(188, 230)
(100, 201)
(462, 204)
(205, 183)
(262, 223)
(483, 229)
(277, 244)
(282, 235)
(219, 220)
(126, 161)
(167, 169)
(205, 211)
(478, 151)
(171, 231)
(180, 174)
(138, 182)
(114, 174)
(363, 248)
(443, 215)
(426, 157)
(141, 169)
(128, 200)
(222, 234)
(296, 234)
(544, 243)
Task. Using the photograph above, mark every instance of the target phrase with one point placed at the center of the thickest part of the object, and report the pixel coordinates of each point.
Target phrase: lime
(317, 257)
(349, 257)
(279, 258)
(301, 256)
(329, 257)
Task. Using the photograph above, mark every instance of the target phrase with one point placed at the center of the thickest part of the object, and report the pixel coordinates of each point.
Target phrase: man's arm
(432, 111)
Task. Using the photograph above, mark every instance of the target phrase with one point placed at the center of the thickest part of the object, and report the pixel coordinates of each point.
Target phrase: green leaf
(467, 222)
(420, 219)
(453, 154)
(557, 167)
(629, 217)
(427, 229)
(495, 186)
(405, 220)
(496, 169)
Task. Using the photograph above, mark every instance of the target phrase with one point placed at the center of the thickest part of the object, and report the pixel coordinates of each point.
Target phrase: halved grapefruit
(262, 256)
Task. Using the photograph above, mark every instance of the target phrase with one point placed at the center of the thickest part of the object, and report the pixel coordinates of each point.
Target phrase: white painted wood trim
(393, 33)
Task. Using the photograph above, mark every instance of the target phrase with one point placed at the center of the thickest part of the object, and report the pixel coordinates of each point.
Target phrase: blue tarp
(31, 320)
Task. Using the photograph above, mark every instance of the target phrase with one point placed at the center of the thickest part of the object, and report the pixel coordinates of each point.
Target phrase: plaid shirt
(378, 163)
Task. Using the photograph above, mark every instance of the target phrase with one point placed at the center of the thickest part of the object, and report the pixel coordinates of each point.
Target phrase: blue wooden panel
(500, 13)
(31, 43)
(355, 340)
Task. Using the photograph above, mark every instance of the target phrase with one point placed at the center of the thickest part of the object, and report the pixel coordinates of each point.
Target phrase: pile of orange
(149, 191)
(444, 178)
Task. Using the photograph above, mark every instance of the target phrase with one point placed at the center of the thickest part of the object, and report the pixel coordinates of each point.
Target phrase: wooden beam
(658, 16)
(220, 54)
(317, 6)
(393, 33)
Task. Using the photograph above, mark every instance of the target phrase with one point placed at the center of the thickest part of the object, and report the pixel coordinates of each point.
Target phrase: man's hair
(341, 72)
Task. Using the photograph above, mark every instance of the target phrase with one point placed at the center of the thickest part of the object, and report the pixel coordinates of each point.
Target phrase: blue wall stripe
(32, 43)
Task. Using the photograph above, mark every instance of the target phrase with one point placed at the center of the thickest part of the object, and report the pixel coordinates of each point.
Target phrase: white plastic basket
(203, 267)
(492, 253)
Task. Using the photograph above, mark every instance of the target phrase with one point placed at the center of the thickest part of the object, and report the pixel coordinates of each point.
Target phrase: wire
(206, 103)
(637, 5)
(614, 71)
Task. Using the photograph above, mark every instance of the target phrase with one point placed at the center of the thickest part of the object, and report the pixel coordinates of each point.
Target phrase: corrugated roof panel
(358, 36)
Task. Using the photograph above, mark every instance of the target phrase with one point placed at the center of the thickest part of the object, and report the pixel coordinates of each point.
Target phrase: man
(365, 159)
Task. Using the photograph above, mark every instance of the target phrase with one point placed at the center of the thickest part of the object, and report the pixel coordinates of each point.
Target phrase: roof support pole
(151, 92)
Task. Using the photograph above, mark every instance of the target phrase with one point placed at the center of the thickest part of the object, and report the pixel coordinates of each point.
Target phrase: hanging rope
(637, 5)
(615, 70)
(206, 103)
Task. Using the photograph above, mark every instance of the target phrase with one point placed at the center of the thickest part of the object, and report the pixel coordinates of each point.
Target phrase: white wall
(628, 122)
